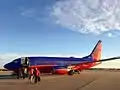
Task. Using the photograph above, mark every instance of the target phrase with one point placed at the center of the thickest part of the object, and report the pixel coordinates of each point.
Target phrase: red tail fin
(96, 53)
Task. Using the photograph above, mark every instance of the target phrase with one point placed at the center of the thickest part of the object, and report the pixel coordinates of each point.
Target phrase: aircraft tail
(96, 53)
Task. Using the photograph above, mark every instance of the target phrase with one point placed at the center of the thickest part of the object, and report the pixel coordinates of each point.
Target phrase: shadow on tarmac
(7, 77)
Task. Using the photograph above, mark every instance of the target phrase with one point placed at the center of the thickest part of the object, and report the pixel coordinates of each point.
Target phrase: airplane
(61, 65)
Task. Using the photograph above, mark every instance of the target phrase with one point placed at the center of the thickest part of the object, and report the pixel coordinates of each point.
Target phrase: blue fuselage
(54, 61)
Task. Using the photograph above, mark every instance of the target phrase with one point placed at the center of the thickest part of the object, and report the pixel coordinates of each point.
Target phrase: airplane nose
(7, 65)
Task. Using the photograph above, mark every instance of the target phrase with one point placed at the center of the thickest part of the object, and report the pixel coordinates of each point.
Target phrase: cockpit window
(15, 61)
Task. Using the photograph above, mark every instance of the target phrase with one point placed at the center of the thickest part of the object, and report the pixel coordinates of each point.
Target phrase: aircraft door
(25, 61)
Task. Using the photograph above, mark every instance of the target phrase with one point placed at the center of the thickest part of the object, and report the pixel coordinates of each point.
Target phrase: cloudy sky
(59, 28)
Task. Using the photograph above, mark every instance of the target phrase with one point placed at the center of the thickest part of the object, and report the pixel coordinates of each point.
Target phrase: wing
(102, 60)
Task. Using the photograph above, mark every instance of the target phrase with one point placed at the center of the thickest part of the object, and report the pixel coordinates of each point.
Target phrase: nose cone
(7, 66)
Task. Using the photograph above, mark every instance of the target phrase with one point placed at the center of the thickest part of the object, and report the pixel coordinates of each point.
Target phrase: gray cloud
(88, 16)
(31, 12)
(42, 15)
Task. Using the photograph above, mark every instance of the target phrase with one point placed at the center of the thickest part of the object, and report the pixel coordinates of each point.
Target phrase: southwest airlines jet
(61, 65)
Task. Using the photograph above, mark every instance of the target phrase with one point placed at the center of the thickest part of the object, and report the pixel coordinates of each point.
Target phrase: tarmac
(87, 80)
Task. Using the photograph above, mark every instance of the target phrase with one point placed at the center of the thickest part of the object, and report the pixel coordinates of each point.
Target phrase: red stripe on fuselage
(85, 66)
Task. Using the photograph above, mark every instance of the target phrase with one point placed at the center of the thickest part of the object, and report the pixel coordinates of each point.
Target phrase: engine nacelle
(63, 70)
(60, 70)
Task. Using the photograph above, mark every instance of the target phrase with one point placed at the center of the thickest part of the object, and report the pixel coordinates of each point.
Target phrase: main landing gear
(72, 72)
